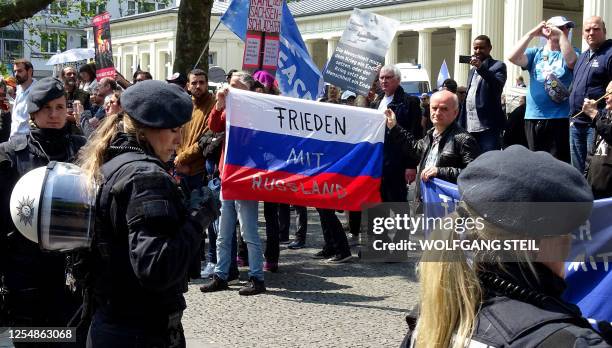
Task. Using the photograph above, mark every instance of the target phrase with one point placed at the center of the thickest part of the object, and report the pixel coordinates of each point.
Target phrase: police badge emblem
(25, 210)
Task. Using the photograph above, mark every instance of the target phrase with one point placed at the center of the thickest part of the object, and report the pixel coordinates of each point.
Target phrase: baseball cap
(560, 21)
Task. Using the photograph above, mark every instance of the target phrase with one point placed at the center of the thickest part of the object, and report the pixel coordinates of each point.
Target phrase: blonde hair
(450, 290)
(93, 154)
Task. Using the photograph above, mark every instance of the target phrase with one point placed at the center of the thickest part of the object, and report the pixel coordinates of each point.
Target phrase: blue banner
(589, 280)
(296, 73)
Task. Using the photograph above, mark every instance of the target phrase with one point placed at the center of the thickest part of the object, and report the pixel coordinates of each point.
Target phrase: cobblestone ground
(308, 303)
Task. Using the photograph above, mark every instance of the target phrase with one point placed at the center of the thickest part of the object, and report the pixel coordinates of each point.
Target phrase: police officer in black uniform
(146, 233)
(482, 302)
(32, 282)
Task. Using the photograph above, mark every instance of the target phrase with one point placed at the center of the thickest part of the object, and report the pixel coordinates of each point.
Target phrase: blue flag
(296, 73)
(443, 74)
(588, 283)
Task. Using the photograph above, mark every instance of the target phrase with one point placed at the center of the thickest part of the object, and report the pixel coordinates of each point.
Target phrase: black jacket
(457, 148)
(599, 163)
(408, 113)
(144, 239)
(488, 95)
(520, 309)
(35, 279)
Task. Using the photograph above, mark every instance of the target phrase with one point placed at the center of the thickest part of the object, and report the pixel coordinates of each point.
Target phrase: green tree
(192, 34)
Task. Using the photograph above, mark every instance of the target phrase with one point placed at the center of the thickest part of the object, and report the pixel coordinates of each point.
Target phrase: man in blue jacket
(592, 73)
(482, 115)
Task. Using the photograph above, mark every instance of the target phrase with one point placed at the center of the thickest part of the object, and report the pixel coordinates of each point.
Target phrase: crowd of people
(155, 150)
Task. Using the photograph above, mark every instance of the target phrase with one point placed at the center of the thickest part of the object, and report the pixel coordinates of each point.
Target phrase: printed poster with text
(360, 52)
(102, 44)
(263, 33)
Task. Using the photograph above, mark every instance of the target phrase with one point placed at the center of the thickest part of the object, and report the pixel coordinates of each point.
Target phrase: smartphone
(465, 59)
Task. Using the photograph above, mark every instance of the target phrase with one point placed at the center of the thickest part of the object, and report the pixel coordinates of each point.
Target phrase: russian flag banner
(295, 151)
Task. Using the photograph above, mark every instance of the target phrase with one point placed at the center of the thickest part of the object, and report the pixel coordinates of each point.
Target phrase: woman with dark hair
(87, 75)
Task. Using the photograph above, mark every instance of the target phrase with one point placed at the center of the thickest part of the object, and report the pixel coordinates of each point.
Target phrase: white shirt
(20, 115)
(384, 102)
(473, 122)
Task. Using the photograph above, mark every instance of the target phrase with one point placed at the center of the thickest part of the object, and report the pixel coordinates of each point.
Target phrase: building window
(10, 50)
(144, 7)
(90, 8)
(212, 58)
(131, 8)
(83, 41)
(53, 42)
(58, 7)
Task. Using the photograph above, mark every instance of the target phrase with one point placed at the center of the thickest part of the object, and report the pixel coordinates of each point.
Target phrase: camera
(465, 59)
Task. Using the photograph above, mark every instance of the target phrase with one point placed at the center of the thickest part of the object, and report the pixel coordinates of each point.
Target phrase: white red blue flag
(286, 150)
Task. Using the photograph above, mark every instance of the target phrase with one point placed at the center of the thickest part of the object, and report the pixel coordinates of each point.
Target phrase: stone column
(462, 48)
(488, 19)
(121, 58)
(521, 17)
(424, 56)
(332, 43)
(310, 44)
(153, 62)
(601, 8)
(391, 56)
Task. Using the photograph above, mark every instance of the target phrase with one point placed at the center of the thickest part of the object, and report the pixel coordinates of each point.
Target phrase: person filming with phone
(481, 113)
(550, 74)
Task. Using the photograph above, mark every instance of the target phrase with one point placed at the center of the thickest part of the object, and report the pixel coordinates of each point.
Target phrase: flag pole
(206, 45)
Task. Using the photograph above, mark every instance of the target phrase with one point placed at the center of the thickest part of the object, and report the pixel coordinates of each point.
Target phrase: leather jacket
(457, 148)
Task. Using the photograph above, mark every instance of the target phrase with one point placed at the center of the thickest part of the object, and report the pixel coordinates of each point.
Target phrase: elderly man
(23, 74)
(90, 119)
(408, 114)
(445, 150)
(551, 73)
(482, 115)
(592, 73)
(599, 164)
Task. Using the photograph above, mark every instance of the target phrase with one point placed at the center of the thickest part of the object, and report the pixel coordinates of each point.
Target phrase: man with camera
(550, 74)
(481, 113)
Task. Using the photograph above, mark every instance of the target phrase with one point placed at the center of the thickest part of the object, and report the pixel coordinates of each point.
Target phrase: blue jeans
(581, 143)
(488, 140)
(247, 213)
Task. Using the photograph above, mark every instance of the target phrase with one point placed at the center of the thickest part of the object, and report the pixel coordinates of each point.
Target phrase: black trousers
(354, 222)
(393, 186)
(106, 331)
(284, 221)
(333, 233)
(301, 221)
(551, 135)
(271, 214)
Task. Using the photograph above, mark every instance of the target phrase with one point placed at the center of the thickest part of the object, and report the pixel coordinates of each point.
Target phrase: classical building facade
(435, 30)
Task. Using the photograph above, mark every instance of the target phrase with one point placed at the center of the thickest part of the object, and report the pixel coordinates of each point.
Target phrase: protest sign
(296, 73)
(589, 277)
(360, 52)
(102, 44)
(262, 40)
(301, 152)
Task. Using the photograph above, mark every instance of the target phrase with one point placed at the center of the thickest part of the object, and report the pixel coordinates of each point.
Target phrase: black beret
(525, 192)
(157, 104)
(44, 91)
(177, 79)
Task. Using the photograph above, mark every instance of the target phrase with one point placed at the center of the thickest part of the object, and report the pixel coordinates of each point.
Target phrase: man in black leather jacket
(446, 148)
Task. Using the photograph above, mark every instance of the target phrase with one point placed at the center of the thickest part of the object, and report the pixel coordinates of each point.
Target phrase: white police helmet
(53, 206)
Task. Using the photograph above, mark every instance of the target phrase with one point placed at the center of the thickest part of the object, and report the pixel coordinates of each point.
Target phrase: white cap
(347, 94)
(559, 21)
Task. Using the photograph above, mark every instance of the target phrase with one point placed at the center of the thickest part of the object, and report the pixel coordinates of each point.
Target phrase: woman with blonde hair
(146, 234)
(471, 298)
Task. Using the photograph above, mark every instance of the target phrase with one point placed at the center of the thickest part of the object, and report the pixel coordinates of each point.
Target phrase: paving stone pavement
(308, 303)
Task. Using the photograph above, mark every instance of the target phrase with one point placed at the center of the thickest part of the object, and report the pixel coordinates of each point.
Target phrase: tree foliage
(192, 34)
